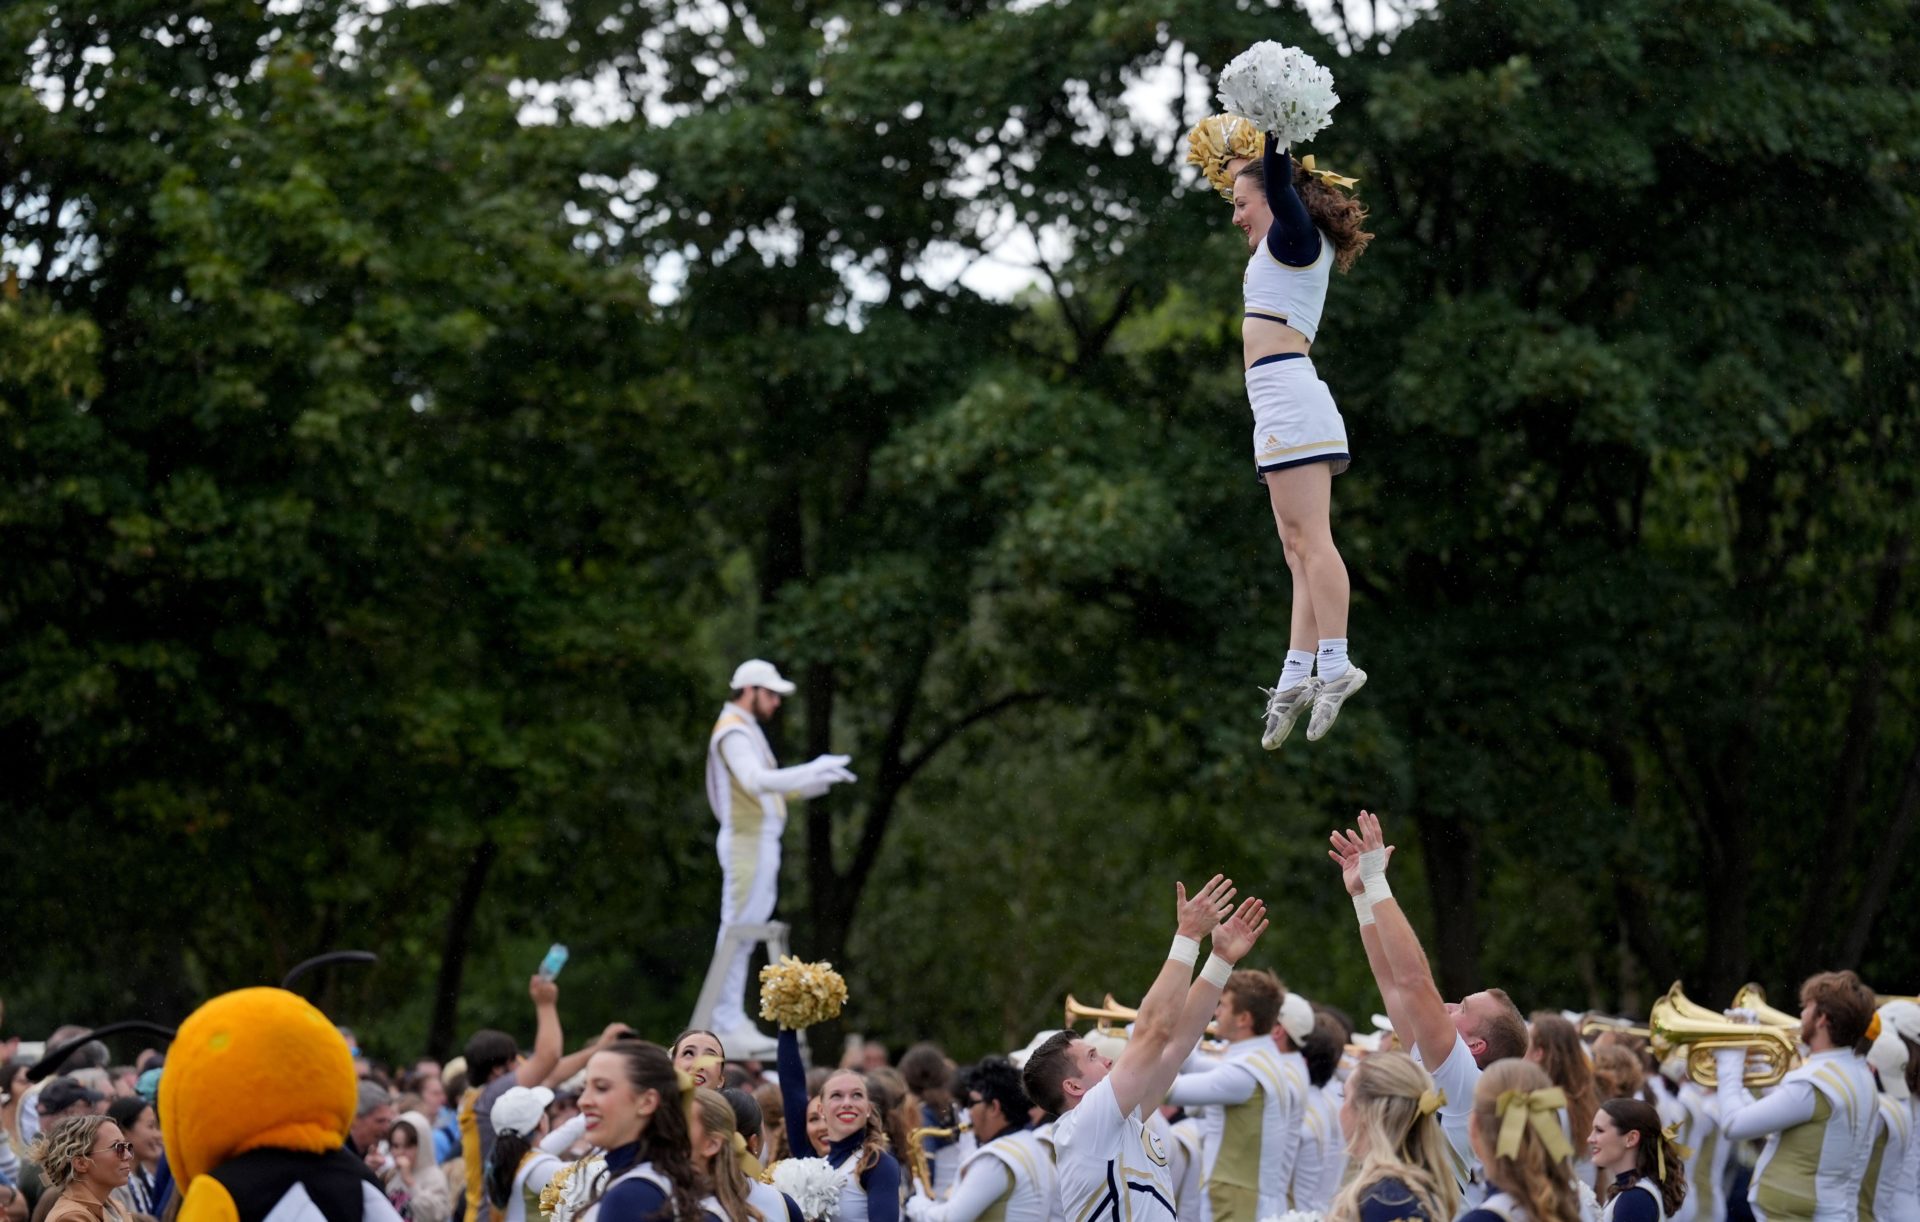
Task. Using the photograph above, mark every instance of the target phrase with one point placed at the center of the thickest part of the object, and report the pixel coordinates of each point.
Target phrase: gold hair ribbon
(1669, 1134)
(749, 1165)
(1873, 1028)
(1432, 1101)
(687, 1087)
(1328, 176)
(1540, 1108)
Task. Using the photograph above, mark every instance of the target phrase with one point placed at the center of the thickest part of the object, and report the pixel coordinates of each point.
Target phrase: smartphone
(555, 960)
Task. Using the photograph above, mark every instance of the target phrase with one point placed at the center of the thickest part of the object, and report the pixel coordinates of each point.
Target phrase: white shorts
(1294, 419)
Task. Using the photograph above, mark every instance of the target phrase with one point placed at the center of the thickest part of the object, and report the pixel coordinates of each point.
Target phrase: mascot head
(252, 1069)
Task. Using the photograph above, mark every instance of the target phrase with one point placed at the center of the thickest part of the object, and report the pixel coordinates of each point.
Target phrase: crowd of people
(1227, 1098)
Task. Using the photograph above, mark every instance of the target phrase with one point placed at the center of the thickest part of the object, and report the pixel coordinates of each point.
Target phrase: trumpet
(1753, 998)
(1110, 1015)
(1110, 1019)
(1679, 1023)
(1594, 1023)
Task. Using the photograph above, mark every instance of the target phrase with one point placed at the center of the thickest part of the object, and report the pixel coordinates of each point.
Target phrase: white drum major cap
(758, 673)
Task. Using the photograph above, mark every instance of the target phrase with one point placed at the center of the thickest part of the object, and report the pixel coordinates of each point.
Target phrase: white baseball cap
(1296, 1017)
(519, 1109)
(758, 673)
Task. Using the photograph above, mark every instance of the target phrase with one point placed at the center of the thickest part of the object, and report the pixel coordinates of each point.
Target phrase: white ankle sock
(1299, 666)
(1333, 658)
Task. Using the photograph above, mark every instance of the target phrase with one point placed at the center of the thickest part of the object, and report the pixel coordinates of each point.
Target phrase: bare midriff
(1263, 337)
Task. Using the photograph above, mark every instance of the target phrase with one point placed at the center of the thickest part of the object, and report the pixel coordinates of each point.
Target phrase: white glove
(832, 769)
(918, 1207)
(1730, 1064)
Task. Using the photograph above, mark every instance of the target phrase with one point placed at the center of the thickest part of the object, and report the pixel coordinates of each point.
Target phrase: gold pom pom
(1218, 139)
(797, 995)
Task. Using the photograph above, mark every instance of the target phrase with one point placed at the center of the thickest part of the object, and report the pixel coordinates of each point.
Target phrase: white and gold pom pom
(813, 1183)
(797, 995)
(1282, 90)
(1218, 139)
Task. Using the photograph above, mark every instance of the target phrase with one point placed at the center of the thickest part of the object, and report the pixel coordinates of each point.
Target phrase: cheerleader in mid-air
(1299, 226)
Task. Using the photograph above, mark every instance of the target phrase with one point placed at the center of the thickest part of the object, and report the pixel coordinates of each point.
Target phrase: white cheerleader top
(1281, 292)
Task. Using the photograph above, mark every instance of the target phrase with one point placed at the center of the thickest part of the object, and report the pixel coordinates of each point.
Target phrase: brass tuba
(1753, 997)
(1679, 1023)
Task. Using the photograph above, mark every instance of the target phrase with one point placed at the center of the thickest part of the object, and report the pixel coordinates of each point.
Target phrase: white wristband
(1363, 908)
(1373, 875)
(1216, 971)
(1184, 949)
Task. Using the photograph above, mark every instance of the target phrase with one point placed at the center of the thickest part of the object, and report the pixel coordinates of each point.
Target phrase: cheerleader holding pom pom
(864, 1185)
(1299, 226)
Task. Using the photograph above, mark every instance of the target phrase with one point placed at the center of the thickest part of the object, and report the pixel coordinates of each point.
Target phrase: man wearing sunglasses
(1011, 1174)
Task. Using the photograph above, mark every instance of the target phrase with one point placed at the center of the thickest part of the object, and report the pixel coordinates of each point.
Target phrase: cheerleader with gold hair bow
(1299, 223)
(1403, 1166)
(1516, 1133)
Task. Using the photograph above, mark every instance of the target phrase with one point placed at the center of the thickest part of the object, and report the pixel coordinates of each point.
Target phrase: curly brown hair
(1334, 212)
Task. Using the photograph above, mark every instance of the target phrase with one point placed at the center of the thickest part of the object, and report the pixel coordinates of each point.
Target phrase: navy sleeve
(882, 1182)
(1292, 238)
(633, 1200)
(1635, 1206)
(793, 1209)
(793, 1095)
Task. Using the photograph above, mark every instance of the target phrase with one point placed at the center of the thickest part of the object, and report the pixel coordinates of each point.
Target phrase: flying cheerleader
(1300, 223)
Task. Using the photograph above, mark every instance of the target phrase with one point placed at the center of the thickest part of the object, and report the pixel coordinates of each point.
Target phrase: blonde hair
(1541, 1183)
(724, 1173)
(56, 1148)
(1402, 1143)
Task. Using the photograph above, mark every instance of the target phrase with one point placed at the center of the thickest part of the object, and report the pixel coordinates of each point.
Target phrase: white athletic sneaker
(1284, 708)
(747, 1043)
(1332, 695)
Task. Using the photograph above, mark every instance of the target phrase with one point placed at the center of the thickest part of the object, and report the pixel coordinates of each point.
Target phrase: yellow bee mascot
(255, 1103)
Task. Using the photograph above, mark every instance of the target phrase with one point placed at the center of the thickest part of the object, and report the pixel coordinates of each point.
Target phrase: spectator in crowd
(13, 1089)
(137, 1119)
(90, 1055)
(372, 1117)
(85, 1158)
(412, 1176)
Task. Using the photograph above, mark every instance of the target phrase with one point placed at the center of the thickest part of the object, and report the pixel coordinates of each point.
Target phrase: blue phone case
(555, 960)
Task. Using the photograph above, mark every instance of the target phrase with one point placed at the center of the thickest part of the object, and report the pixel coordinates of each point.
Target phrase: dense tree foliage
(411, 414)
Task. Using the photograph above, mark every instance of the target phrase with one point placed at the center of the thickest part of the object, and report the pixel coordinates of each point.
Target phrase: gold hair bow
(1540, 1108)
(1669, 1134)
(748, 1163)
(1432, 1101)
(1873, 1028)
(1328, 176)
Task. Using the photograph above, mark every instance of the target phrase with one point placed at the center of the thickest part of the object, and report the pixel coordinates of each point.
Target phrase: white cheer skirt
(1294, 419)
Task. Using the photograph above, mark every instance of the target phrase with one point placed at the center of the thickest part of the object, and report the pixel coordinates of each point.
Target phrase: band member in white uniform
(1112, 1168)
(1009, 1177)
(1321, 1164)
(1256, 1105)
(1453, 1041)
(1707, 1154)
(1891, 1191)
(748, 792)
(1818, 1123)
